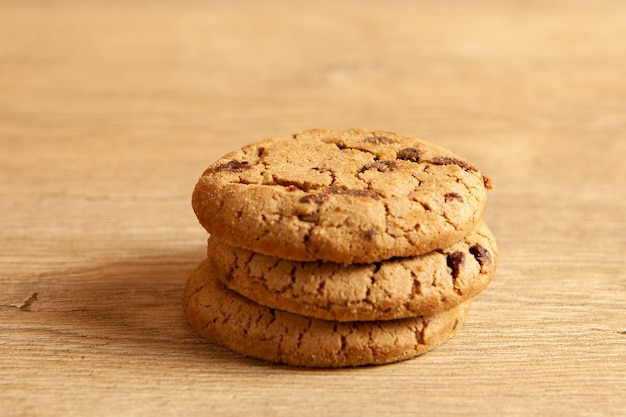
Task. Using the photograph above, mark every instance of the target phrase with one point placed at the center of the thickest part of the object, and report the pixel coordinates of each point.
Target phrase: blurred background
(459, 69)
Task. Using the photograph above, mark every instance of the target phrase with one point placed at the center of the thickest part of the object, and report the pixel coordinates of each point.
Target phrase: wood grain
(109, 112)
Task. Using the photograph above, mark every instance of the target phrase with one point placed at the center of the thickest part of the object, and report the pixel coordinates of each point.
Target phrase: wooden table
(110, 110)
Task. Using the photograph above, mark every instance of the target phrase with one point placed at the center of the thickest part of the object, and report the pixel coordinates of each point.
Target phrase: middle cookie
(392, 289)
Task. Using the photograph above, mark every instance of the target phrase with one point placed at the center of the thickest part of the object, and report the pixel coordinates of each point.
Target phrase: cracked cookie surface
(229, 319)
(347, 196)
(392, 289)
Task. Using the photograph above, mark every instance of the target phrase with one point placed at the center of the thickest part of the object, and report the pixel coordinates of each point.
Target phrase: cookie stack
(339, 248)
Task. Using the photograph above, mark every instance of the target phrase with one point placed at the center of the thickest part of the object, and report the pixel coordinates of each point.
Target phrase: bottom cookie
(229, 319)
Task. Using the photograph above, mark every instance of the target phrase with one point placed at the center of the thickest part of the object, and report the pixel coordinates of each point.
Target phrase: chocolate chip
(351, 192)
(233, 166)
(455, 260)
(379, 140)
(370, 233)
(453, 196)
(309, 218)
(312, 198)
(446, 160)
(456, 323)
(481, 254)
(409, 154)
(380, 166)
(487, 182)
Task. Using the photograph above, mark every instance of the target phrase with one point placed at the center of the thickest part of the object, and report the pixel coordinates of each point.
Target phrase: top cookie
(347, 196)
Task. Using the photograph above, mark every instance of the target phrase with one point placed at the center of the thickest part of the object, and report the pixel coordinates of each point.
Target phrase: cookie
(347, 196)
(392, 289)
(231, 320)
